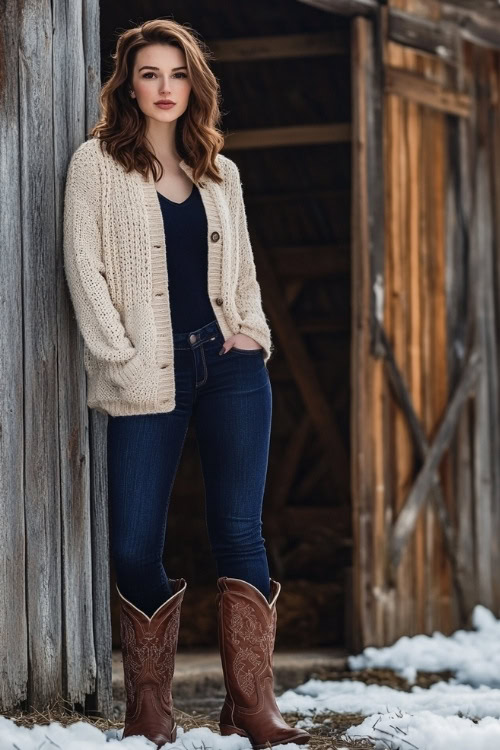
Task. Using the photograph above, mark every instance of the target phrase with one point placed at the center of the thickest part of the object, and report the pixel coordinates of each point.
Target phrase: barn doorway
(285, 72)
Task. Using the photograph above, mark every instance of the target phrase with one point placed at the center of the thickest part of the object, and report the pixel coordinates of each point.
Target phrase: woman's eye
(182, 75)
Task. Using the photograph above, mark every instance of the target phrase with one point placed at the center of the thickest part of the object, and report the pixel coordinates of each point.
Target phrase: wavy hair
(122, 125)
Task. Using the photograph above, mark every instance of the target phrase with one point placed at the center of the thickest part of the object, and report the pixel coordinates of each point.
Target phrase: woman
(162, 346)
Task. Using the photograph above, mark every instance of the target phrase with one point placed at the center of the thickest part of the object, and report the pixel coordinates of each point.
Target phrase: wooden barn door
(423, 410)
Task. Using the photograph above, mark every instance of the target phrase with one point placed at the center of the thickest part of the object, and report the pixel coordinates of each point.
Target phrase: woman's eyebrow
(152, 67)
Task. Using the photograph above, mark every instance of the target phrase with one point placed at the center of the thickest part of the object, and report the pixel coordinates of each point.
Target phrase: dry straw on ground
(323, 737)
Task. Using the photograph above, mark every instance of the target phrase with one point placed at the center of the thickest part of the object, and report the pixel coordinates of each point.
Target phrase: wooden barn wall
(477, 446)
(415, 158)
(55, 620)
(440, 289)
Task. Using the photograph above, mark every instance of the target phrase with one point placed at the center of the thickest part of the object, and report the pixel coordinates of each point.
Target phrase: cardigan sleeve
(98, 320)
(248, 292)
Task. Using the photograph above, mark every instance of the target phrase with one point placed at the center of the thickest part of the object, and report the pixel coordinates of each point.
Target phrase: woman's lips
(165, 106)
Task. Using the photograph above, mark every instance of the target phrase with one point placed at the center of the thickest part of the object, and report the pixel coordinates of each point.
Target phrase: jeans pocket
(247, 351)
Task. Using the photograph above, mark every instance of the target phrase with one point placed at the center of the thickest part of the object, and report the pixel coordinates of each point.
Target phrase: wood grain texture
(42, 492)
(13, 617)
(53, 614)
(100, 700)
(364, 606)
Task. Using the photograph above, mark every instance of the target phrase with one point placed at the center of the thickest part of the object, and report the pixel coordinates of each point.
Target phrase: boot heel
(226, 729)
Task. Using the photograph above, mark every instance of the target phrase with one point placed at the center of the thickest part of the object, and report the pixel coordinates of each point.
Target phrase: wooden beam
(367, 233)
(477, 21)
(345, 7)
(280, 46)
(425, 92)
(434, 37)
(489, 8)
(473, 27)
(291, 135)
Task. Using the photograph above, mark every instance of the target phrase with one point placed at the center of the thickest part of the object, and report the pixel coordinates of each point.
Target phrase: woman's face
(160, 73)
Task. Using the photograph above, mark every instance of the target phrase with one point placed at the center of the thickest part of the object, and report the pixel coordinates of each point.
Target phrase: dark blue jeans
(229, 397)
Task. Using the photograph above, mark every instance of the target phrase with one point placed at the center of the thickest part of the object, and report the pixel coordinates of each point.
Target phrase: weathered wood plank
(79, 668)
(485, 426)
(13, 454)
(362, 459)
(461, 324)
(101, 700)
(276, 46)
(493, 140)
(433, 37)
(346, 7)
(488, 8)
(440, 539)
(412, 247)
(44, 596)
(478, 22)
(418, 89)
(401, 471)
(289, 135)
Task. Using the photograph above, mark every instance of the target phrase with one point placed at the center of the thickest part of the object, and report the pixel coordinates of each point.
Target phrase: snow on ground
(460, 714)
(474, 655)
(348, 696)
(437, 718)
(84, 736)
(428, 731)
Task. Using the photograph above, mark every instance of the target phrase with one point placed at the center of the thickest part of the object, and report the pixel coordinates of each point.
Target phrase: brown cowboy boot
(149, 645)
(247, 631)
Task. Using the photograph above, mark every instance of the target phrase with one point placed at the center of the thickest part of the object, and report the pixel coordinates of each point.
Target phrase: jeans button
(193, 338)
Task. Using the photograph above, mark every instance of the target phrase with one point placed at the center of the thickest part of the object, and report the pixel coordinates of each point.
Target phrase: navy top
(186, 231)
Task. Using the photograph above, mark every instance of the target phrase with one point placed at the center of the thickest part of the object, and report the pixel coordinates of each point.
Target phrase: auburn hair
(122, 125)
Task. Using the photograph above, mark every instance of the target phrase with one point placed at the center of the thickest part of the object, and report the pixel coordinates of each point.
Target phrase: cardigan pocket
(125, 375)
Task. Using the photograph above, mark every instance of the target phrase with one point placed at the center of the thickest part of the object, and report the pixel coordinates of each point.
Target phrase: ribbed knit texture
(115, 261)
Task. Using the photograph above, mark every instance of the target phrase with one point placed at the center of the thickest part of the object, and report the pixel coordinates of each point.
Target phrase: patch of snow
(428, 731)
(353, 696)
(84, 736)
(473, 655)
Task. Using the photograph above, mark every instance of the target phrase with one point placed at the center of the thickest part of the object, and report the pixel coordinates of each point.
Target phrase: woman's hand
(240, 340)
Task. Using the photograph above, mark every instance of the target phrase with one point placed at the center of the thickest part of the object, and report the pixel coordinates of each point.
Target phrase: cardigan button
(215, 236)
(219, 301)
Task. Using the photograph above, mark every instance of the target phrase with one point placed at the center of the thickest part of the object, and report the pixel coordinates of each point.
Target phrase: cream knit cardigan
(115, 262)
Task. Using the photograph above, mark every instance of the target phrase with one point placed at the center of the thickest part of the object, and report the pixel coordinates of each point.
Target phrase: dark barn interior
(284, 70)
